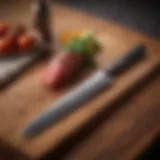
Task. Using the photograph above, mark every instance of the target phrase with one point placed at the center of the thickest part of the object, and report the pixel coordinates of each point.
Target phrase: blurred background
(142, 15)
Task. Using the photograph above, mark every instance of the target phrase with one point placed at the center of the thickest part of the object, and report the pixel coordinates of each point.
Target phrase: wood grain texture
(27, 98)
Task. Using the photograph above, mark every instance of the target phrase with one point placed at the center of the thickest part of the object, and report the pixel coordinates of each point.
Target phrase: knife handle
(42, 12)
(126, 61)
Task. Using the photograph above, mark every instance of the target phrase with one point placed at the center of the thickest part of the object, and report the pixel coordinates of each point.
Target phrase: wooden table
(111, 128)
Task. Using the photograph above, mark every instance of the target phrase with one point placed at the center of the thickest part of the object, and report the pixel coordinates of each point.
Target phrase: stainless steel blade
(84, 92)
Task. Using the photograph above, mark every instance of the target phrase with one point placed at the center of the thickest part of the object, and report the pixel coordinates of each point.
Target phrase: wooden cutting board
(27, 98)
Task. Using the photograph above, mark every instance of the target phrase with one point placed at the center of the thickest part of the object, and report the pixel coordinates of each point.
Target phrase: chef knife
(42, 20)
(84, 92)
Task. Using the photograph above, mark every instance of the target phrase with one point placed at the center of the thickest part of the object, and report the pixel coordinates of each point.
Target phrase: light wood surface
(27, 98)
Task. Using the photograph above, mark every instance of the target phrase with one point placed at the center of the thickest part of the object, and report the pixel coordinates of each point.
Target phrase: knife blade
(83, 93)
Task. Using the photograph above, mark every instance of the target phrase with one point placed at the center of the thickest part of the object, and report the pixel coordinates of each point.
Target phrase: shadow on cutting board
(8, 153)
(152, 152)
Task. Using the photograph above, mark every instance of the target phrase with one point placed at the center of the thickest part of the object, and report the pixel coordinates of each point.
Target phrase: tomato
(3, 29)
(25, 41)
(16, 33)
(61, 68)
(6, 45)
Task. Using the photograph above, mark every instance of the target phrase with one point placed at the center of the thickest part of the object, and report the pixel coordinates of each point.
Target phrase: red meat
(62, 68)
